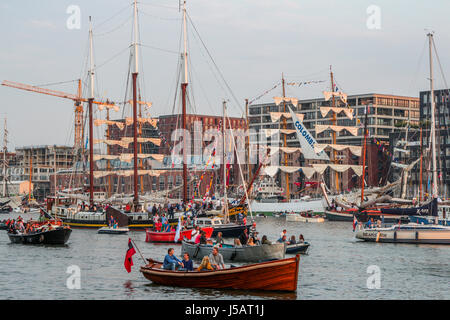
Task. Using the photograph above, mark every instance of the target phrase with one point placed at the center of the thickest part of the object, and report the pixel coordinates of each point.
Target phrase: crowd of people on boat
(18, 226)
(292, 240)
(214, 261)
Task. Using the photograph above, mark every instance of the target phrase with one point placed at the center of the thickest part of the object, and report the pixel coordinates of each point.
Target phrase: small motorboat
(112, 230)
(276, 275)
(232, 253)
(304, 217)
(155, 236)
(297, 248)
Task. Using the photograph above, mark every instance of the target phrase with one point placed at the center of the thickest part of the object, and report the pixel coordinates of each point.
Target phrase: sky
(372, 46)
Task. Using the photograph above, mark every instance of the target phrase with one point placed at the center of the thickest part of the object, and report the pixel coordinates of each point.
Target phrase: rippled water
(335, 268)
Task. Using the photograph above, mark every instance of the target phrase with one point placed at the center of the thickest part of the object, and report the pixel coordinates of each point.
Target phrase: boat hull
(97, 224)
(297, 248)
(346, 216)
(279, 275)
(57, 236)
(107, 230)
(299, 218)
(230, 231)
(237, 254)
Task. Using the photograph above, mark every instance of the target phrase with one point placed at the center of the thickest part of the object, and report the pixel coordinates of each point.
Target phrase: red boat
(155, 236)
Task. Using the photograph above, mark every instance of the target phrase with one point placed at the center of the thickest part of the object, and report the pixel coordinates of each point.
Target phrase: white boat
(407, 233)
(112, 230)
(298, 217)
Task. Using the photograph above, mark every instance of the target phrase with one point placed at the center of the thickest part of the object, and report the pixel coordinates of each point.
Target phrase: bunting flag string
(263, 94)
(299, 84)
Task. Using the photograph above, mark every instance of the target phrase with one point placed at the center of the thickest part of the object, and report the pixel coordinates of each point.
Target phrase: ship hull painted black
(57, 236)
(96, 224)
(230, 231)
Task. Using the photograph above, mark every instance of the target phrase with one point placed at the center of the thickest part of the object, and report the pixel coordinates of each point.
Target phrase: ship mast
(288, 194)
(333, 104)
(225, 199)
(135, 75)
(91, 129)
(433, 120)
(184, 85)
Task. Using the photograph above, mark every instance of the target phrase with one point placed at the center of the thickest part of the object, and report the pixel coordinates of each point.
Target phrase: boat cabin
(209, 221)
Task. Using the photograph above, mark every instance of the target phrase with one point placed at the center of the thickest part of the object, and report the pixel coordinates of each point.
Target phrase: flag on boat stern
(355, 222)
(129, 256)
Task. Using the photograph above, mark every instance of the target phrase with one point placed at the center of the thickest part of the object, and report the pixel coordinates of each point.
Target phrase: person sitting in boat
(243, 238)
(264, 240)
(158, 225)
(219, 240)
(205, 265)
(250, 242)
(237, 243)
(166, 226)
(301, 239)
(292, 240)
(282, 239)
(188, 265)
(171, 262)
(216, 259)
(283, 233)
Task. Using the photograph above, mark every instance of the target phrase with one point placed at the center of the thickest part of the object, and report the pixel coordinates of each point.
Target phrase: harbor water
(337, 267)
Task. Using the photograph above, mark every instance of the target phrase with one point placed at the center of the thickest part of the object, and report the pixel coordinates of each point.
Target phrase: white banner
(307, 141)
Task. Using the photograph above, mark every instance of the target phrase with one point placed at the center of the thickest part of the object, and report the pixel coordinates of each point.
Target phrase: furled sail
(278, 100)
(347, 111)
(322, 127)
(276, 116)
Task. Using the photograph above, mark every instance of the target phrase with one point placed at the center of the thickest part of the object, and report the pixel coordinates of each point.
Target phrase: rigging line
(115, 28)
(110, 59)
(159, 18)
(158, 5)
(414, 78)
(443, 76)
(218, 70)
(113, 16)
(160, 49)
(264, 93)
(211, 69)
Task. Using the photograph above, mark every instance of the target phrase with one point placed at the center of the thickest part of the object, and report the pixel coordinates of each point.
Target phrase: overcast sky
(251, 41)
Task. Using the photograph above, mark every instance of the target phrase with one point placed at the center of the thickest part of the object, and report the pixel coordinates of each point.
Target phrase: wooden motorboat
(231, 253)
(112, 230)
(277, 275)
(297, 248)
(155, 236)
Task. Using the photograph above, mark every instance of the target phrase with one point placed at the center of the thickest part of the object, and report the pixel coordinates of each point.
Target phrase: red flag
(129, 256)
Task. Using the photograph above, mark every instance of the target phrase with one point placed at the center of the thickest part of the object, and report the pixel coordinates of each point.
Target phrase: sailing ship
(413, 232)
(313, 153)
